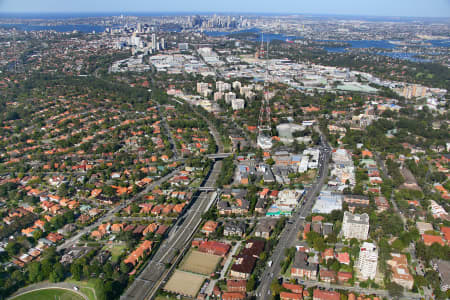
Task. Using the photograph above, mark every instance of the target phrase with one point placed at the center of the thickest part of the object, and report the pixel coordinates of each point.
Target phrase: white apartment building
(218, 96)
(237, 104)
(223, 86)
(236, 85)
(355, 226)
(229, 97)
(202, 87)
(368, 260)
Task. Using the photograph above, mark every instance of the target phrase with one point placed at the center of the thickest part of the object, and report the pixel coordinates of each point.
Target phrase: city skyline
(402, 8)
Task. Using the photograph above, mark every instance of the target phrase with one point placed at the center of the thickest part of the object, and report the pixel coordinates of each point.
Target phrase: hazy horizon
(380, 8)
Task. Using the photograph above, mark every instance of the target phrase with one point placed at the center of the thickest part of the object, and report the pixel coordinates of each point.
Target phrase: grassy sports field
(50, 294)
(199, 262)
(184, 283)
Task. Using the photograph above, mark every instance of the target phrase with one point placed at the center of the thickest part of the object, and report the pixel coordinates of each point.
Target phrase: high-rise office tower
(153, 41)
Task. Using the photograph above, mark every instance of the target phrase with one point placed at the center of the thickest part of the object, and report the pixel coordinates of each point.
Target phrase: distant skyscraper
(153, 41)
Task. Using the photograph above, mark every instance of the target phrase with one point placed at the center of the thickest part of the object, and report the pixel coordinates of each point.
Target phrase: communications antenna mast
(261, 48)
(264, 139)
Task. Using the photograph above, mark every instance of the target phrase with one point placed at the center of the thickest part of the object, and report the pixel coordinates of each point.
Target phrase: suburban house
(301, 268)
(235, 285)
(233, 296)
(326, 295)
(234, 228)
(139, 253)
(400, 271)
(328, 276)
(209, 227)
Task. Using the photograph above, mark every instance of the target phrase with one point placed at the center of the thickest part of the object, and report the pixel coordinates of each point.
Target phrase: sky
(403, 8)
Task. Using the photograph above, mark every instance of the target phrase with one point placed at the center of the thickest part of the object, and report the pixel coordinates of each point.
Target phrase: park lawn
(86, 288)
(116, 251)
(88, 292)
(49, 294)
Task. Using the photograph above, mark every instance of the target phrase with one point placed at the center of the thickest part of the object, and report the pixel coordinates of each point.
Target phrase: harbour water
(58, 28)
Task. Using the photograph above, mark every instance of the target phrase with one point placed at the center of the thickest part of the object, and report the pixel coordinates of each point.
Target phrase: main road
(288, 236)
(366, 291)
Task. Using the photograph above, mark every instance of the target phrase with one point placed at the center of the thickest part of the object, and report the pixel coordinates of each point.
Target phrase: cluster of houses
(142, 230)
(191, 141)
(74, 129)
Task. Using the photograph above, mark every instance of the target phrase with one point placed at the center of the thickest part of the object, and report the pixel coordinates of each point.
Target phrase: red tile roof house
(233, 296)
(295, 288)
(150, 228)
(328, 254)
(215, 248)
(317, 219)
(97, 234)
(54, 237)
(129, 228)
(327, 276)
(139, 229)
(234, 285)
(344, 277)
(28, 231)
(343, 258)
(139, 253)
(146, 208)
(290, 296)
(118, 227)
(178, 208)
(429, 239)
(209, 227)
(325, 295)
(40, 224)
(157, 209)
(162, 229)
(167, 209)
(306, 230)
(446, 232)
